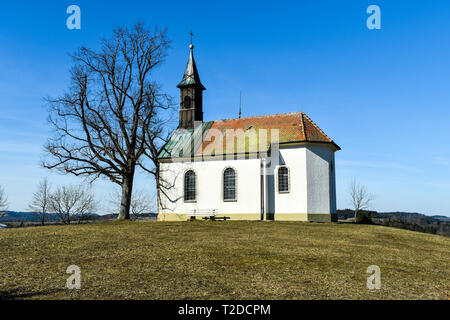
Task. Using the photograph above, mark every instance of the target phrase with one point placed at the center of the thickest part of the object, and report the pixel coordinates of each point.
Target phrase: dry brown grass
(222, 260)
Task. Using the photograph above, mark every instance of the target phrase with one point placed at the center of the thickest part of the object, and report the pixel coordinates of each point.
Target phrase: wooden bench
(214, 218)
(208, 214)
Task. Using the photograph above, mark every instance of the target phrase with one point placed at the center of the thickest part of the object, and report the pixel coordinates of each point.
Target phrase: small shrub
(364, 218)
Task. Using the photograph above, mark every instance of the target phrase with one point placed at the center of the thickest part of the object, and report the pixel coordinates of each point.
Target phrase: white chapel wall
(320, 180)
(295, 201)
(312, 186)
(210, 186)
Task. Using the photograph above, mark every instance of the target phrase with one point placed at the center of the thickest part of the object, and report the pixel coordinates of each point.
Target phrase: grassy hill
(223, 260)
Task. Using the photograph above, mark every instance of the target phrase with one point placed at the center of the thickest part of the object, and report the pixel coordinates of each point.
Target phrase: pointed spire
(191, 77)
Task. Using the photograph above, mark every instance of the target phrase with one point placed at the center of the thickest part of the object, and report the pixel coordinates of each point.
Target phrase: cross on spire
(191, 34)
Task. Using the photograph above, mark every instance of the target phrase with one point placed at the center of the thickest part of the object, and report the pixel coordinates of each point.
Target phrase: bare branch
(113, 114)
(70, 202)
(361, 199)
(3, 200)
(141, 203)
(41, 200)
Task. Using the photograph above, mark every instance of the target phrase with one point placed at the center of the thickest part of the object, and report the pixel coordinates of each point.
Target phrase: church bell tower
(191, 98)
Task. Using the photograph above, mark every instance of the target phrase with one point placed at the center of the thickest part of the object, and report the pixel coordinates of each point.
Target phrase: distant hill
(14, 216)
(406, 220)
(441, 218)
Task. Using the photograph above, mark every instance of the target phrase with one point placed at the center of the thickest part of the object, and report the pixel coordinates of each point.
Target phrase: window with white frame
(229, 185)
(189, 186)
(283, 180)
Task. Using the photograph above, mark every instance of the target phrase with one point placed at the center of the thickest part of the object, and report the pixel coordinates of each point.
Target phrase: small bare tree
(70, 202)
(114, 115)
(3, 200)
(141, 203)
(360, 197)
(41, 200)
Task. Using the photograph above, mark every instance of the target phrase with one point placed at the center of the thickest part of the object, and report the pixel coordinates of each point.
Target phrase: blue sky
(382, 95)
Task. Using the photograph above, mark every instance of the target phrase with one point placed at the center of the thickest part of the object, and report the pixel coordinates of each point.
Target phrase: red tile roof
(291, 128)
(245, 135)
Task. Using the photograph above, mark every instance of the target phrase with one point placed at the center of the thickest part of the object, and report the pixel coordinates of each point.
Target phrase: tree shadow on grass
(20, 293)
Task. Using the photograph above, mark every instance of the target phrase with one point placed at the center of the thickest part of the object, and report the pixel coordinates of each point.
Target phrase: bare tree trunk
(127, 192)
(359, 196)
(159, 188)
(112, 116)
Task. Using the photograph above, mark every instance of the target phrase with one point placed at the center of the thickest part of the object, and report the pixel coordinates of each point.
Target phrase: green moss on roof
(236, 136)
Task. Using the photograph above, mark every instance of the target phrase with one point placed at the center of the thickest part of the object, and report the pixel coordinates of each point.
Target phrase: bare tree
(41, 200)
(141, 203)
(70, 202)
(113, 119)
(360, 197)
(3, 200)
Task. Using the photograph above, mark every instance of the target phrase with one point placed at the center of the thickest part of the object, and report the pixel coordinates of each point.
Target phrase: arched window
(283, 180)
(229, 185)
(189, 186)
(187, 102)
